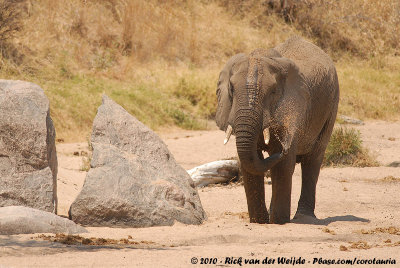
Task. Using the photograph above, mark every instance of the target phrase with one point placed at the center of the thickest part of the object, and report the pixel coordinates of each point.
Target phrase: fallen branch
(349, 120)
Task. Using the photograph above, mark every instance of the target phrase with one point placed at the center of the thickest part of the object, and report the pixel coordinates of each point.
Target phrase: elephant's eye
(230, 91)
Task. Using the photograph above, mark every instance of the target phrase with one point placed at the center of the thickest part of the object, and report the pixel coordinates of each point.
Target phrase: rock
(28, 160)
(134, 181)
(24, 220)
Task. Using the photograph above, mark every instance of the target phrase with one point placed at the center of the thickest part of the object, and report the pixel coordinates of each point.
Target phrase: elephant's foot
(280, 220)
(307, 219)
(305, 210)
(260, 217)
(277, 217)
(305, 215)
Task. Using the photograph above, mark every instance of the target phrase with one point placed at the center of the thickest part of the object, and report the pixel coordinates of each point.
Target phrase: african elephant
(282, 101)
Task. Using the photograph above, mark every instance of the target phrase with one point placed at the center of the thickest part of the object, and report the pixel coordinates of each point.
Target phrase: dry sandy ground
(355, 207)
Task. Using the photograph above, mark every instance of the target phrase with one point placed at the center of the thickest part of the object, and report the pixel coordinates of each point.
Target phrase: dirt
(92, 241)
(357, 209)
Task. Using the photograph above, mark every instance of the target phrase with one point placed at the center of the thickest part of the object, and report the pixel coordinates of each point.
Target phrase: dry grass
(360, 245)
(361, 27)
(370, 88)
(113, 36)
(391, 179)
(160, 59)
(365, 245)
(240, 215)
(345, 149)
(11, 15)
(10, 19)
(93, 241)
(328, 231)
(86, 160)
(387, 230)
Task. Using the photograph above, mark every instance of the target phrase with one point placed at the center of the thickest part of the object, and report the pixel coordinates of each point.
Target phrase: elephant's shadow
(304, 219)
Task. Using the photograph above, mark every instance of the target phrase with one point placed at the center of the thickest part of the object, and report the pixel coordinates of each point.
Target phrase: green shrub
(184, 119)
(345, 149)
(199, 90)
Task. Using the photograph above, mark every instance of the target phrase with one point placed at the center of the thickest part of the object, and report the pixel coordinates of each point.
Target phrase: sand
(357, 209)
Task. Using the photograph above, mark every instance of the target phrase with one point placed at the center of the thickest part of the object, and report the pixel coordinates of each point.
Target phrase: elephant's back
(311, 60)
(316, 66)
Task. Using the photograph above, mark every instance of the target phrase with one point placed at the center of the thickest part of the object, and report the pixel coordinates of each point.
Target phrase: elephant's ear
(289, 78)
(294, 96)
(224, 92)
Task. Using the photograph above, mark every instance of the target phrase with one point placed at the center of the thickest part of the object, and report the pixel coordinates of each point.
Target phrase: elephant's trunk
(248, 128)
(249, 122)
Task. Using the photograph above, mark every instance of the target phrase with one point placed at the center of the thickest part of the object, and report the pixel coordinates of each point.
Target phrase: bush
(10, 19)
(361, 27)
(345, 149)
(10, 24)
(199, 92)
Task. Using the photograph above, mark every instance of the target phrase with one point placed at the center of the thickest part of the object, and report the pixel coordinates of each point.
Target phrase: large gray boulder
(134, 180)
(24, 220)
(28, 161)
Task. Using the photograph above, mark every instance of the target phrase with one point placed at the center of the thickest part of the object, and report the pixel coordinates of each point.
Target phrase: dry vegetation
(93, 241)
(360, 27)
(345, 149)
(391, 179)
(160, 59)
(388, 230)
(363, 28)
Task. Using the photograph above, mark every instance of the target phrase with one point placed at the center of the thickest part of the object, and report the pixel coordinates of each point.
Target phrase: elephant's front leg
(281, 175)
(255, 194)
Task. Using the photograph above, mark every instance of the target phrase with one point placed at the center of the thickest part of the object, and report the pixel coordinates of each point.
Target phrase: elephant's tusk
(228, 134)
(266, 135)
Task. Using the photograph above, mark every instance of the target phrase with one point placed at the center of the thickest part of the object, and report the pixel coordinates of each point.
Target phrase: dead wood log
(214, 172)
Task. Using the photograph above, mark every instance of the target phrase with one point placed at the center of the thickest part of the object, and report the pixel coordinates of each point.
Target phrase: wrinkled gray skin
(293, 90)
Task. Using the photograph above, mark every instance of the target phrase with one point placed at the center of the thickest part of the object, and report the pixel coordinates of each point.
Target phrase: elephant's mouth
(250, 151)
(265, 145)
(266, 136)
(264, 141)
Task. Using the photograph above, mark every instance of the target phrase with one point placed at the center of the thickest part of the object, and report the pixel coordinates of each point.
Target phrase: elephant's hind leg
(310, 167)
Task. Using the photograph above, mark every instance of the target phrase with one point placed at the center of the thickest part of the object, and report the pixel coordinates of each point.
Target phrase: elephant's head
(262, 93)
